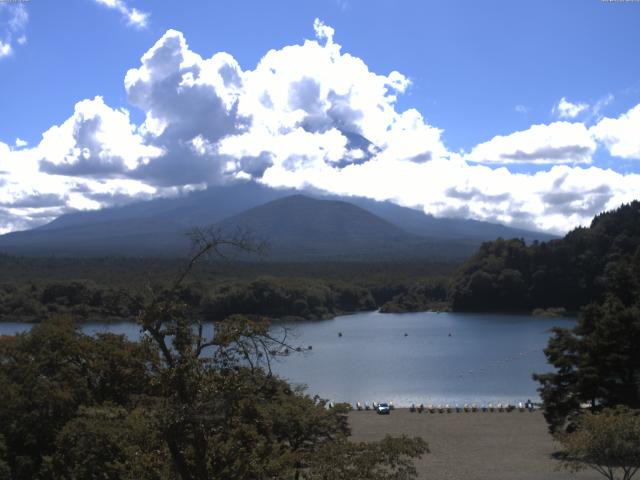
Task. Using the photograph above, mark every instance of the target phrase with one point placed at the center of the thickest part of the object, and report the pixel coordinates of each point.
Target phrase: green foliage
(389, 459)
(427, 295)
(608, 442)
(280, 298)
(569, 273)
(598, 361)
(108, 443)
(177, 404)
(73, 406)
(48, 373)
(5, 471)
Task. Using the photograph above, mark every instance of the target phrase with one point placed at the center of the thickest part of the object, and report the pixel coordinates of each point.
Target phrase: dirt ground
(473, 446)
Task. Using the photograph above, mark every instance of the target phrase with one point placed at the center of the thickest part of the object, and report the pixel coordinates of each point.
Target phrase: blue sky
(474, 71)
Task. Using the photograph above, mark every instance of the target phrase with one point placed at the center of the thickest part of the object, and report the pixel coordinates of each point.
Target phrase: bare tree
(184, 371)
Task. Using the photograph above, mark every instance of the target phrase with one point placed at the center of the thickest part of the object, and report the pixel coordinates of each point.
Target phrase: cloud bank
(307, 115)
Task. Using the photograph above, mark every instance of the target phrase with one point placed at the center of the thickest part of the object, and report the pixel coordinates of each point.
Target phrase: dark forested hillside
(569, 272)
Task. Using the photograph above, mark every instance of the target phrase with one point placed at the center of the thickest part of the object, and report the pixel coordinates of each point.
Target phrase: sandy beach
(473, 446)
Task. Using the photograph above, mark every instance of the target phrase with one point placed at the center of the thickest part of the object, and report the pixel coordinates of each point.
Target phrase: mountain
(324, 227)
(308, 228)
(460, 229)
(149, 228)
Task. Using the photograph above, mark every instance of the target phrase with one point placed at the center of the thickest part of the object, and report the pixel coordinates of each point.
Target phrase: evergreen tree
(598, 361)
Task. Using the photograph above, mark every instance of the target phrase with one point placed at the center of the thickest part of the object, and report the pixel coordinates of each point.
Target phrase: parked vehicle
(383, 408)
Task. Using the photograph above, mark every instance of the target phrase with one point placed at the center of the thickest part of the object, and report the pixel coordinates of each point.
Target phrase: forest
(111, 289)
(177, 404)
(569, 273)
(556, 277)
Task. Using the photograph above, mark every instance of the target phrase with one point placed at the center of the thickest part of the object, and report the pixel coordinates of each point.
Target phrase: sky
(524, 113)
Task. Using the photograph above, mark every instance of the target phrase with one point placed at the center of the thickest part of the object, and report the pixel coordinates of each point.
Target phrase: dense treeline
(269, 297)
(129, 271)
(568, 273)
(304, 291)
(426, 295)
(287, 298)
(33, 302)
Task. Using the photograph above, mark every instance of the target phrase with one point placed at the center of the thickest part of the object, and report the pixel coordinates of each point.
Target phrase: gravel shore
(473, 446)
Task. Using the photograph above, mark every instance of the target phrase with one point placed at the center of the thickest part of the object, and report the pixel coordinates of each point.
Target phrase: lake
(443, 358)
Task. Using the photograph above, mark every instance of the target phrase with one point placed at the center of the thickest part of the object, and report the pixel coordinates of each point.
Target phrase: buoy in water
(339, 334)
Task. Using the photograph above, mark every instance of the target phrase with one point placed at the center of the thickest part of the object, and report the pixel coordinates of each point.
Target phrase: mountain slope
(303, 227)
(158, 227)
(419, 223)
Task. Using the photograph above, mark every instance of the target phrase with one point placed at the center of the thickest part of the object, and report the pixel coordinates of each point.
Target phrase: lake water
(443, 358)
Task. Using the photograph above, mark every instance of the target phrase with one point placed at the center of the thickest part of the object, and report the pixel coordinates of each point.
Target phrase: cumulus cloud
(96, 141)
(555, 143)
(620, 135)
(190, 103)
(306, 116)
(133, 16)
(312, 105)
(453, 187)
(13, 21)
(566, 109)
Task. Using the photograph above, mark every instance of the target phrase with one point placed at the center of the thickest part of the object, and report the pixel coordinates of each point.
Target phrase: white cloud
(5, 49)
(31, 197)
(186, 99)
(133, 16)
(96, 141)
(521, 109)
(555, 143)
(553, 200)
(620, 135)
(306, 115)
(595, 111)
(566, 109)
(20, 143)
(13, 21)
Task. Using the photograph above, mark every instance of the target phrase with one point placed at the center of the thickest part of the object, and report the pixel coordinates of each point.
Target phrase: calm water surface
(443, 358)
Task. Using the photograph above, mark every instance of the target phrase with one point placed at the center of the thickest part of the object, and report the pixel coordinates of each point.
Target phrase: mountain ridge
(157, 227)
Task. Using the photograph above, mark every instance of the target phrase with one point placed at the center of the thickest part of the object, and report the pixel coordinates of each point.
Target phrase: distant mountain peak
(298, 225)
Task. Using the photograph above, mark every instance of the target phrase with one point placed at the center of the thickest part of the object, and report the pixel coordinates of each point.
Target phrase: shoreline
(541, 313)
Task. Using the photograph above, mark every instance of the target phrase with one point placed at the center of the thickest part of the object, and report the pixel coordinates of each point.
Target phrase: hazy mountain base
(297, 227)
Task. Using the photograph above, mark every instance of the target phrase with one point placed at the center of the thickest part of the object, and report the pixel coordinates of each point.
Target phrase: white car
(383, 408)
